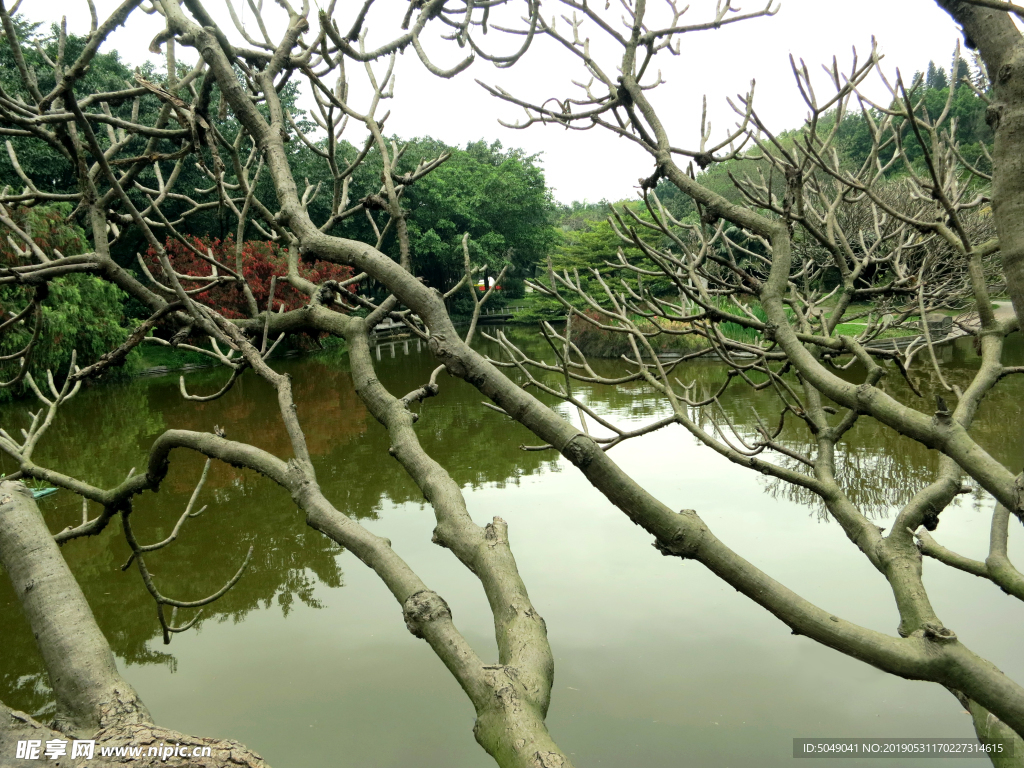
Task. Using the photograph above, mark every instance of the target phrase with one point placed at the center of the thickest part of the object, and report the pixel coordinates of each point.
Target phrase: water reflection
(111, 428)
(879, 469)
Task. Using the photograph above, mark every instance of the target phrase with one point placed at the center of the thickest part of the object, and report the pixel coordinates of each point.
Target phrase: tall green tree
(81, 313)
(497, 195)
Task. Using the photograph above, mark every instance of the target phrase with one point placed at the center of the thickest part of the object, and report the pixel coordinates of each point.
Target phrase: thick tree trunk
(997, 38)
(90, 692)
(17, 726)
(93, 701)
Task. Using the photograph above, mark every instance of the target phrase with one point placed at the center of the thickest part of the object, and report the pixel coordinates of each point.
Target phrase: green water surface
(658, 663)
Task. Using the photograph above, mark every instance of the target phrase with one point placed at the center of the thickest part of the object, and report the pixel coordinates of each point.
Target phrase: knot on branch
(328, 291)
(580, 450)
(939, 633)
(994, 115)
(622, 94)
(180, 336)
(423, 607)
(374, 203)
(652, 181)
(157, 471)
(453, 364)
(496, 532)
(437, 537)
(930, 519)
(547, 760)
(709, 217)
(943, 416)
(682, 543)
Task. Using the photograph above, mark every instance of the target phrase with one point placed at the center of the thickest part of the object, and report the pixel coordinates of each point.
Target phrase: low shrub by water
(601, 343)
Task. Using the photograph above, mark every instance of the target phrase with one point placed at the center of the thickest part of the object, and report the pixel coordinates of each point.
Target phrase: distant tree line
(586, 238)
(496, 194)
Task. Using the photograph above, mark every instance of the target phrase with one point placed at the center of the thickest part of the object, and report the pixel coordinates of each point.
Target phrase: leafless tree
(512, 695)
(924, 246)
(903, 248)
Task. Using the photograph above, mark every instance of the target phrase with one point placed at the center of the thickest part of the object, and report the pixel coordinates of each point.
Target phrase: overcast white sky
(590, 165)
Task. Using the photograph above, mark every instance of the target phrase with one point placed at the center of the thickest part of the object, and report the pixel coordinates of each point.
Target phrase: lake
(658, 663)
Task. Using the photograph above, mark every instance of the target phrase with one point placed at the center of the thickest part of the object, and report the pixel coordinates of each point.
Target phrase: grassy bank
(160, 356)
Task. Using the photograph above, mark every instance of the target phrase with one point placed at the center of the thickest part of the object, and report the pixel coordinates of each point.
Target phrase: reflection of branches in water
(876, 482)
(35, 689)
(630, 403)
(35, 694)
(877, 469)
(876, 502)
(288, 564)
(290, 561)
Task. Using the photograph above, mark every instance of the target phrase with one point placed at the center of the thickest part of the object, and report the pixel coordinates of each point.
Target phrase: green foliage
(46, 167)
(603, 343)
(583, 240)
(933, 91)
(41, 162)
(82, 312)
(741, 333)
(591, 246)
(586, 241)
(497, 195)
(935, 78)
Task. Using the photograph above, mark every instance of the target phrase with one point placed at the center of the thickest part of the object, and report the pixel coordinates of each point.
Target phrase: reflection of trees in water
(290, 559)
(475, 445)
(122, 421)
(879, 470)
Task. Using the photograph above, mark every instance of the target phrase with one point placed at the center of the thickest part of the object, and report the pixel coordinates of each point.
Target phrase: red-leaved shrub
(261, 260)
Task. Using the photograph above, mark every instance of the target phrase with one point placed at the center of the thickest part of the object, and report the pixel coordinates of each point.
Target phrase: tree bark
(93, 700)
(999, 41)
(930, 653)
(992, 730)
(17, 726)
(91, 694)
(510, 715)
